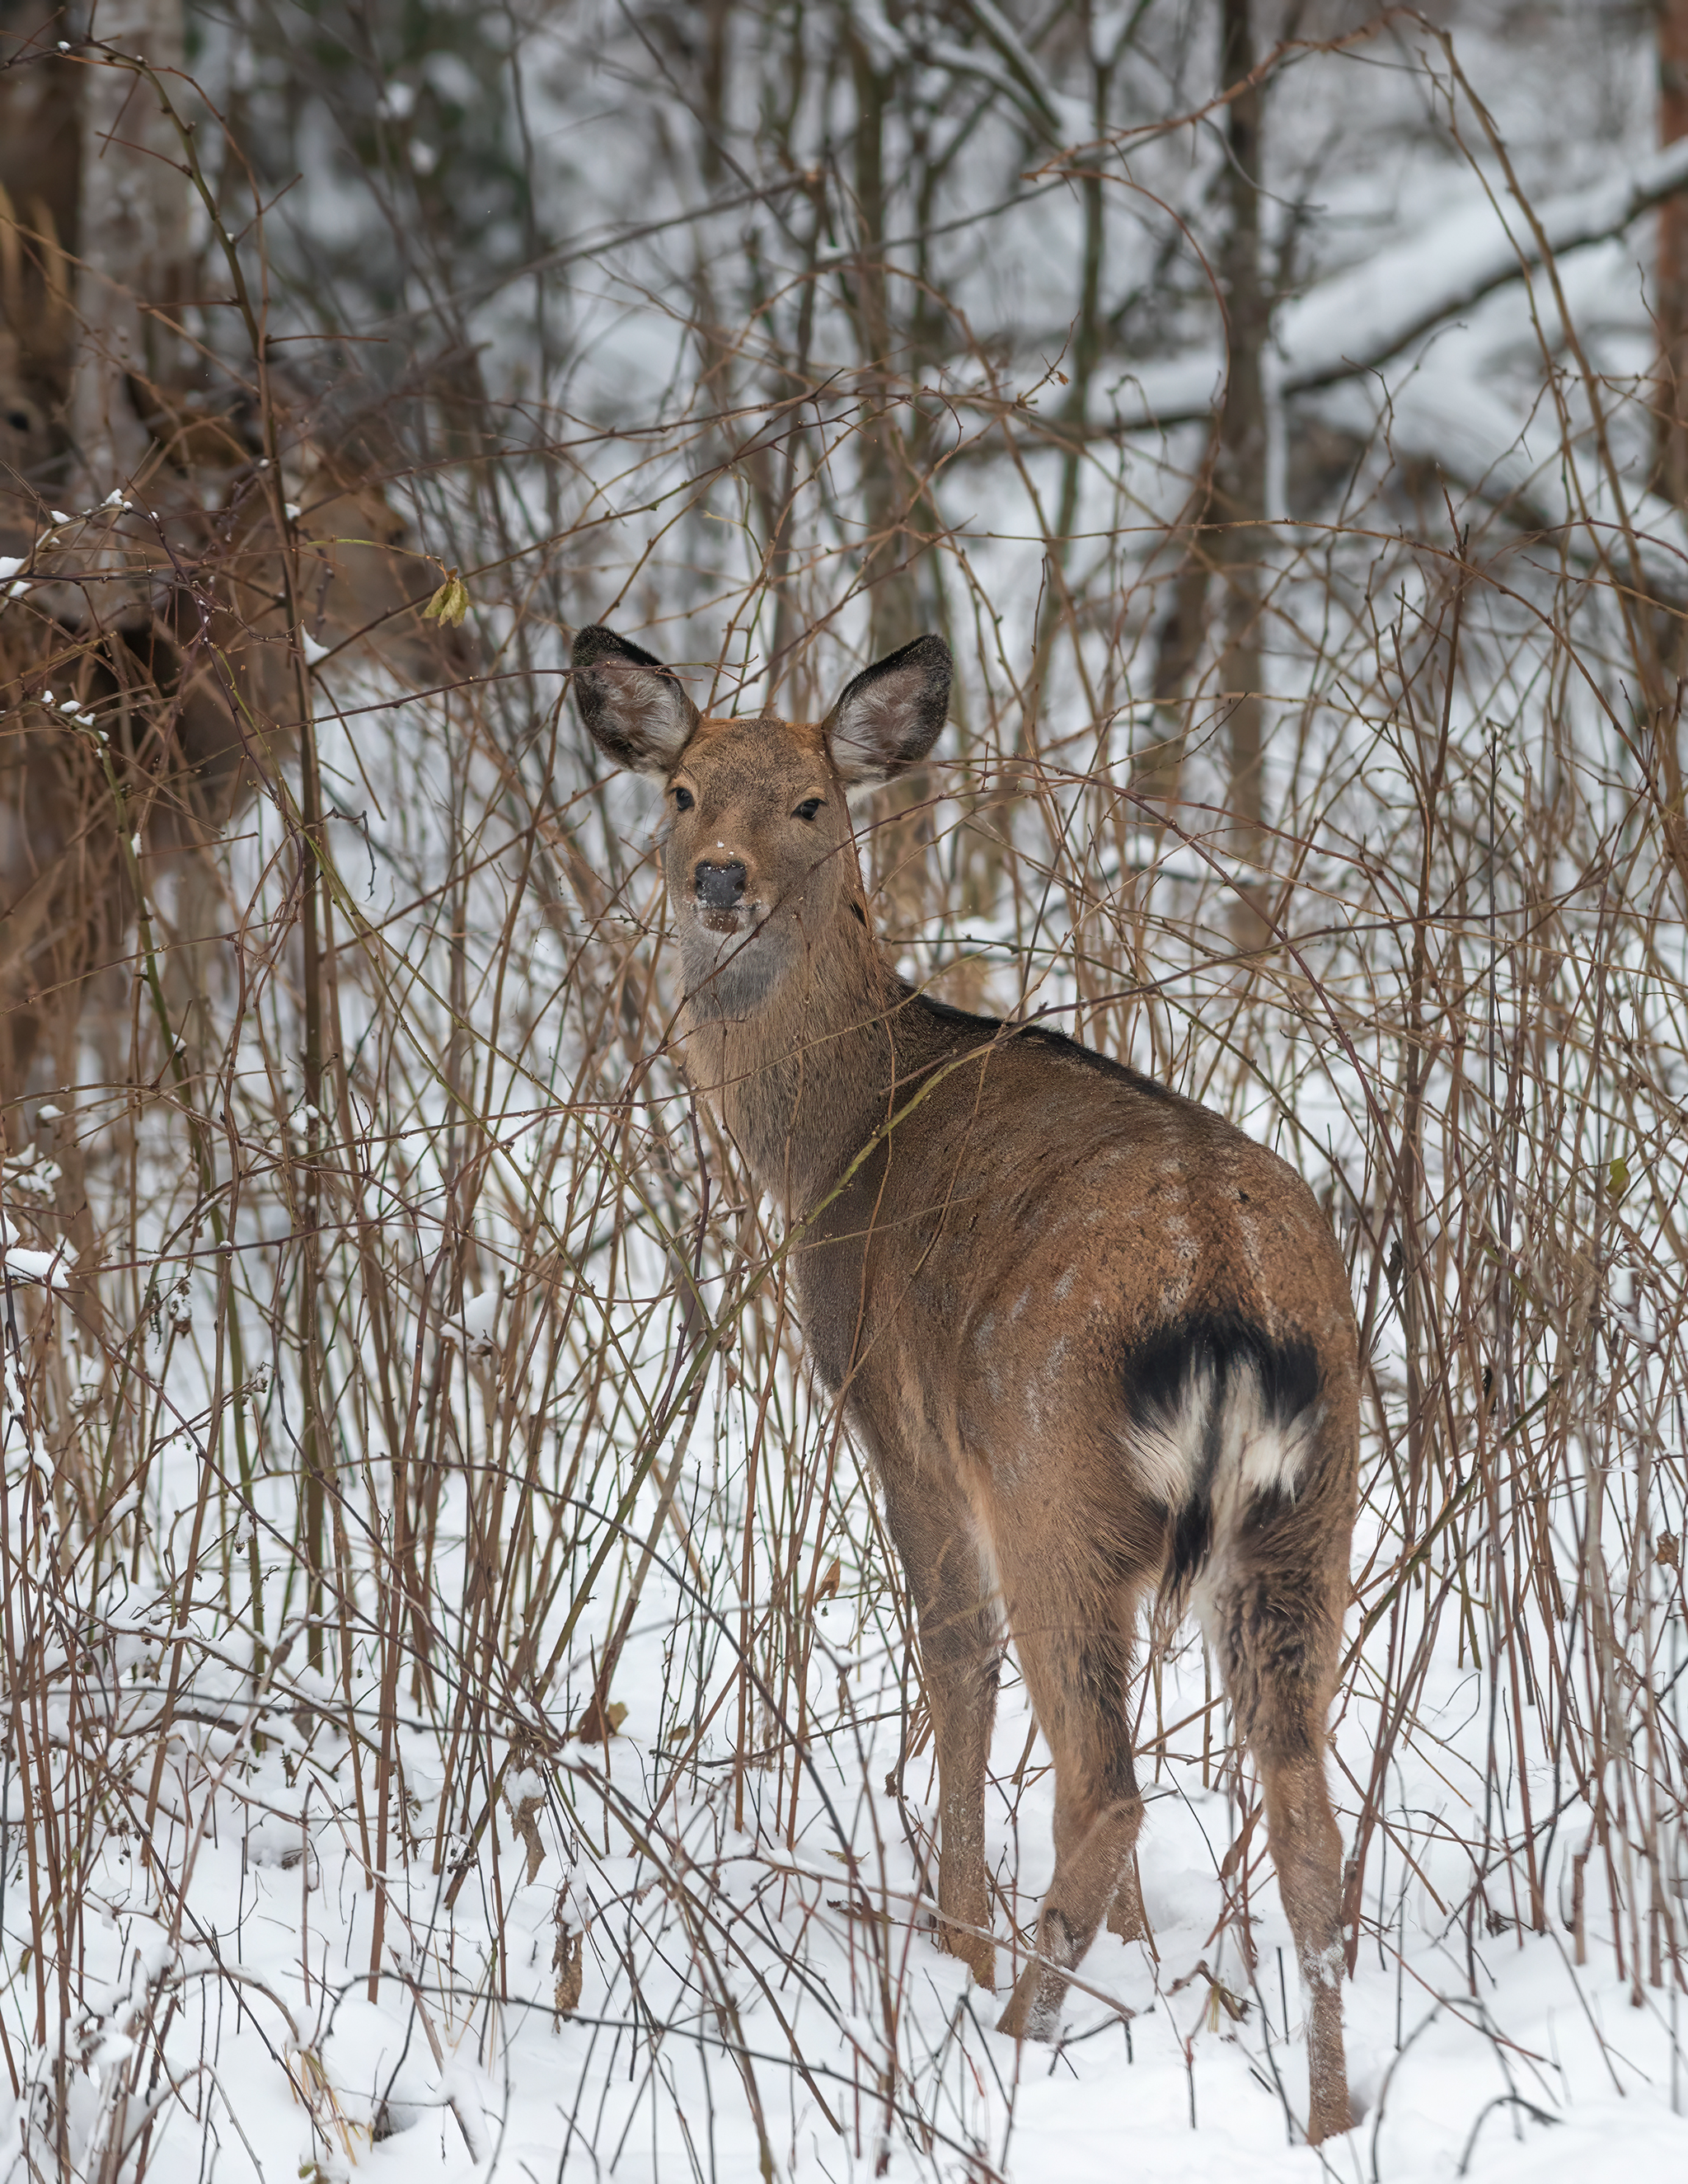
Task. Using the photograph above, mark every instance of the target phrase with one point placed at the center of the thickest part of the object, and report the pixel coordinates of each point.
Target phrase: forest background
(460, 1710)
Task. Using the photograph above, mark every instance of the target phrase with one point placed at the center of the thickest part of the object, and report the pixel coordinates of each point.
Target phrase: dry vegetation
(415, 1503)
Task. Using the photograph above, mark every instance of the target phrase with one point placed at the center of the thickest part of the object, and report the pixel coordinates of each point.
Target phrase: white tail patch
(1180, 1456)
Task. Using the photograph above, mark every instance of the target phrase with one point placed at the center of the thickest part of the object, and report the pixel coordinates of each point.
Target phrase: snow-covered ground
(778, 1979)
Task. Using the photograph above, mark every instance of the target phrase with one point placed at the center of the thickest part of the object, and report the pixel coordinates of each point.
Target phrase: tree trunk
(1241, 473)
(1157, 768)
(1671, 400)
(1670, 416)
(133, 227)
(40, 179)
(895, 509)
(893, 603)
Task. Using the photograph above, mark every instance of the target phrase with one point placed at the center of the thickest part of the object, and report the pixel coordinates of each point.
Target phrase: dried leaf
(600, 1723)
(1239, 1849)
(524, 1819)
(566, 1962)
(450, 603)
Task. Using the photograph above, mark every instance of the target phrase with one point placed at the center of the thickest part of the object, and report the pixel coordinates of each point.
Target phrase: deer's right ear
(633, 707)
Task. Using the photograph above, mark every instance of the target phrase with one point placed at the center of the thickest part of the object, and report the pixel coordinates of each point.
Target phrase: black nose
(719, 886)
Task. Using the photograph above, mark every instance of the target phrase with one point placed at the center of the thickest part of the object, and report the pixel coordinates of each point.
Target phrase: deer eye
(809, 807)
(683, 799)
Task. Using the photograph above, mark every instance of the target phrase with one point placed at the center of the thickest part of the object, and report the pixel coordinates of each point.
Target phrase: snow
(1366, 314)
(1494, 2046)
(479, 1313)
(23, 1265)
(1445, 412)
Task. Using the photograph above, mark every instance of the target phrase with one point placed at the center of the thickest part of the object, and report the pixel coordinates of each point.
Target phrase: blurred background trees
(881, 256)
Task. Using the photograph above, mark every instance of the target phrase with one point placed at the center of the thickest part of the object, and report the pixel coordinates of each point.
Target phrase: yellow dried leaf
(526, 1817)
(600, 1723)
(450, 603)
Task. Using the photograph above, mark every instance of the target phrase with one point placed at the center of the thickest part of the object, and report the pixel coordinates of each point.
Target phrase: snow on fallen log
(1361, 317)
(1443, 413)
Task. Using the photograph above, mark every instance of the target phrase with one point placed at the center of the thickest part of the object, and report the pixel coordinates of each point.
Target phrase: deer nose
(721, 887)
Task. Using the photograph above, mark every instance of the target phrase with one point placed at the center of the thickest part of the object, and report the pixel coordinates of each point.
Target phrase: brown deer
(152, 699)
(154, 666)
(1098, 1344)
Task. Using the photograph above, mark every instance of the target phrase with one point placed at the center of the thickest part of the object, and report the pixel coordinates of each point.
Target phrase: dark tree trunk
(886, 575)
(896, 506)
(1240, 470)
(1671, 405)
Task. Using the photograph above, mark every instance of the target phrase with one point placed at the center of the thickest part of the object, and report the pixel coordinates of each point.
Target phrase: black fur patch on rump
(1223, 1346)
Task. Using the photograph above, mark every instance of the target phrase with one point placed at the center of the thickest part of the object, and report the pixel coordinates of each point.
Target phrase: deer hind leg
(1076, 1657)
(961, 1649)
(1276, 1628)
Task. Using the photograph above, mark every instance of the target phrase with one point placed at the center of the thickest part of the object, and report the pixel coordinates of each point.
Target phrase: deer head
(758, 848)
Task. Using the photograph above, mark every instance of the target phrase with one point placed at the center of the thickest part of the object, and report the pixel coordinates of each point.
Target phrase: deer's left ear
(890, 716)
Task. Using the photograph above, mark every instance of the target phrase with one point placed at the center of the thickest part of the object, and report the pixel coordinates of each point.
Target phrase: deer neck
(803, 1075)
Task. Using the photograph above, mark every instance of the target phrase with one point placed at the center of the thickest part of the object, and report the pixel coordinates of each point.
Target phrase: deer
(153, 682)
(156, 662)
(172, 687)
(1097, 1343)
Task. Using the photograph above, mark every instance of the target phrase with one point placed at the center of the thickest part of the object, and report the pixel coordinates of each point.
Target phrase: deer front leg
(960, 1652)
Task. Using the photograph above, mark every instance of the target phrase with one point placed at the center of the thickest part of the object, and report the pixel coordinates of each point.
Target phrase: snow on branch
(45, 1268)
(1359, 318)
(1443, 413)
